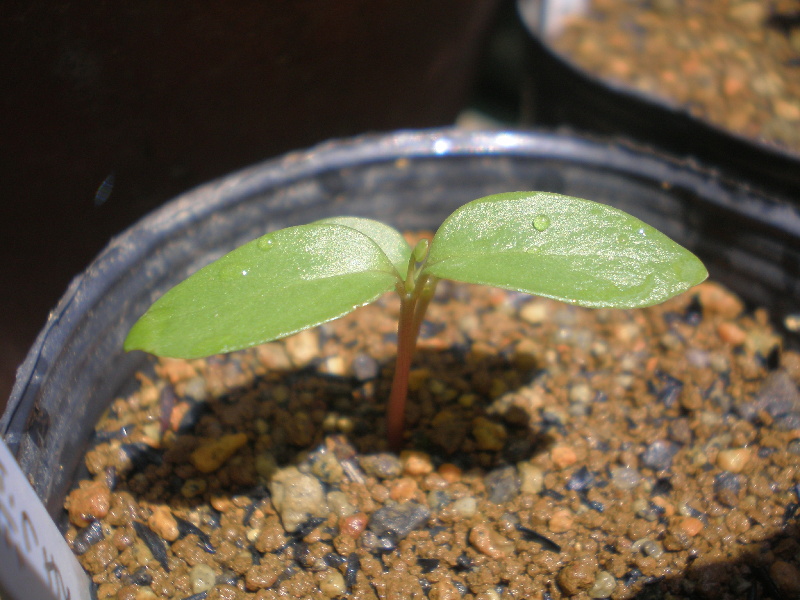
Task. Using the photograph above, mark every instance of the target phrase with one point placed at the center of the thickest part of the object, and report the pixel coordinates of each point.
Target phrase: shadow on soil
(453, 415)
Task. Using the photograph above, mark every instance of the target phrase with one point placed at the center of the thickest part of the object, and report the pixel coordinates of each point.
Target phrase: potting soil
(551, 452)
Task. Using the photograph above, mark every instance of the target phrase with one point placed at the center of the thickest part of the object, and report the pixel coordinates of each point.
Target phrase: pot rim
(198, 203)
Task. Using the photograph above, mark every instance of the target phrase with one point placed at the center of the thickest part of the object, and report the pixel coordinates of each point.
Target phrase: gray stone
(778, 396)
(658, 455)
(727, 487)
(398, 521)
(788, 421)
(365, 367)
(502, 484)
(382, 466)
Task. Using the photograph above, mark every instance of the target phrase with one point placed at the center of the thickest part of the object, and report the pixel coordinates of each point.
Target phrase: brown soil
(733, 63)
(552, 452)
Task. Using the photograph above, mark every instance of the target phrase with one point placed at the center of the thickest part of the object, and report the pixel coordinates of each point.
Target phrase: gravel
(648, 494)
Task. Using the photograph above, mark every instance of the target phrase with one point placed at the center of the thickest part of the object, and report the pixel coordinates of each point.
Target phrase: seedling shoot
(549, 245)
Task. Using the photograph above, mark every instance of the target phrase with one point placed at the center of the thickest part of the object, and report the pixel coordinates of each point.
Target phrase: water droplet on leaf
(231, 272)
(265, 243)
(541, 222)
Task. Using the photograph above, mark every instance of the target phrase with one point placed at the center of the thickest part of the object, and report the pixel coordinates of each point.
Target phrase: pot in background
(567, 95)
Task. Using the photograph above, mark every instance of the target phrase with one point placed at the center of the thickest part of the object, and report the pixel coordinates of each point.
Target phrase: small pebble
(274, 356)
(163, 523)
(561, 521)
(212, 454)
(604, 585)
(563, 456)
(581, 393)
(625, 478)
(334, 365)
(339, 504)
(377, 543)
(502, 484)
(580, 480)
(365, 367)
(202, 578)
(715, 299)
(382, 466)
(444, 590)
(487, 541)
(534, 312)
(398, 520)
(652, 548)
(175, 369)
(326, 467)
(778, 395)
(489, 435)
(731, 333)
(416, 463)
(353, 525)
(449, 472)
(297, 496)
(734, 460)
(658, 455)
(331, 584)
(303, 347)
(737, 522)
(727, 487)
(87, 503)
(437, 499)
(531, 478)
(261, 576)
(403, 489)
(87, 537)
(577, 575)
(466, 506)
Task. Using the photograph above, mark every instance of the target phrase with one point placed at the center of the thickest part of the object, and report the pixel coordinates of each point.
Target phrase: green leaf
(560, 247)
(388, 238)
(269, 288)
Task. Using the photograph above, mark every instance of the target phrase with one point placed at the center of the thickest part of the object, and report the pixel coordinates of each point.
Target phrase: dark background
(165, 96)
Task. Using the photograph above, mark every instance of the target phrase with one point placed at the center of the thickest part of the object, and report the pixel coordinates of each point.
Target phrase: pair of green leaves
(546, 244)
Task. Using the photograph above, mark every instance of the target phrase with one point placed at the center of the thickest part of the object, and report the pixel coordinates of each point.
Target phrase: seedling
(569, 249)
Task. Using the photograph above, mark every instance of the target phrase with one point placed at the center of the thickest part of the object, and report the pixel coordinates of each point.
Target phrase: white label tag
(35, 560)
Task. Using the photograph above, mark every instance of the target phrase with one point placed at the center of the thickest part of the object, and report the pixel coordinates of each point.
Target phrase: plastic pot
(410, 179)
(568, 95)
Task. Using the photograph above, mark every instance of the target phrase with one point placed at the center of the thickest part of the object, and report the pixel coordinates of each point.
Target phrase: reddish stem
(406, 341)
(412, 311)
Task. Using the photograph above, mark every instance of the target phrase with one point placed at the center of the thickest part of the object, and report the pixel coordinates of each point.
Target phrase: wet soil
(733, 63)
(551, 452)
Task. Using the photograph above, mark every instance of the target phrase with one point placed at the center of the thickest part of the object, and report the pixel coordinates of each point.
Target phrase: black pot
(566, 95)
(409, 179)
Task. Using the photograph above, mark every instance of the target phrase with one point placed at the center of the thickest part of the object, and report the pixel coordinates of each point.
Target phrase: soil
(733, 63)
(551, 452)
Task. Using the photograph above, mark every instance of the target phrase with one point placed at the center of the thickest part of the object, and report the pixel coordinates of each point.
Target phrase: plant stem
(413, 306)
(406, 340)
